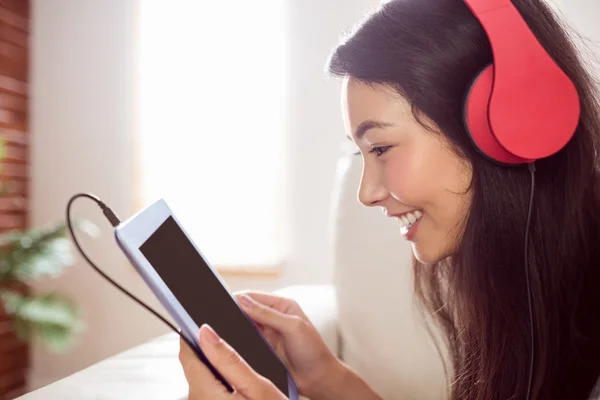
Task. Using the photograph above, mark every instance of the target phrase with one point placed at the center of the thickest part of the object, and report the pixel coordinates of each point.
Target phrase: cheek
(432, 181)
(406, 180)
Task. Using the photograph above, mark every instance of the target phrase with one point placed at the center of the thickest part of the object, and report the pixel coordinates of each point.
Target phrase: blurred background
(221, 107)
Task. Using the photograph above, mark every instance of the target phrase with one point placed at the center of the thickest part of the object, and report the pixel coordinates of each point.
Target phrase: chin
(427, 256)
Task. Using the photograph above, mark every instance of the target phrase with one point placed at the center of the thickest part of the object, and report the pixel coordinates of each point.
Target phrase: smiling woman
(518, 307)
(212, 138)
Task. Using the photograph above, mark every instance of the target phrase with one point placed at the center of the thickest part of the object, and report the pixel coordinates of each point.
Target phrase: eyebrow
(369, 124)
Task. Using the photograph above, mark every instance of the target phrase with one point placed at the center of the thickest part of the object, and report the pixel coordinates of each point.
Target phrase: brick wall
(14, 65)
(14, 361)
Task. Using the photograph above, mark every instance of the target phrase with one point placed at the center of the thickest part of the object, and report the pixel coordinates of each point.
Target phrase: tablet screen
(201, 294)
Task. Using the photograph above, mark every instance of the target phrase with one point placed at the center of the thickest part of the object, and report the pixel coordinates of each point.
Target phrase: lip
(409, 233)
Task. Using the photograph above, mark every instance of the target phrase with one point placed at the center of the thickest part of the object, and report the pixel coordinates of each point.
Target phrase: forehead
(361, 101)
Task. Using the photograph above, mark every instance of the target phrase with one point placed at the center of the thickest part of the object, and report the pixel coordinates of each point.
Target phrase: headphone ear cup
(477, 123)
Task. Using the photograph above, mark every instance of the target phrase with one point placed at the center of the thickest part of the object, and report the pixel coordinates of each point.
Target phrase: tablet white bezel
(130, 235)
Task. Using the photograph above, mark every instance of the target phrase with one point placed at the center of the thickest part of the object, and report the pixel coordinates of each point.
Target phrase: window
(212, 124)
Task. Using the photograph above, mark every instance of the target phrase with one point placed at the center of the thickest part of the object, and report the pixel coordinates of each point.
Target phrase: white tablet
(192, 291)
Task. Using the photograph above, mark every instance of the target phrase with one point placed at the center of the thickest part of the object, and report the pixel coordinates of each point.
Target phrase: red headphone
(523, 107)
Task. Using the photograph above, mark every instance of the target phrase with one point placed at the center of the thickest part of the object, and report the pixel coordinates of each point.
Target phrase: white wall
(316, 128)
(582, 17)
(83, 124)
(81, 103)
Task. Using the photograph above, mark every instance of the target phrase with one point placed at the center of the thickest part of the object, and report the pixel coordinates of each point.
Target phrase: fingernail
(210, 335)
(246, 301)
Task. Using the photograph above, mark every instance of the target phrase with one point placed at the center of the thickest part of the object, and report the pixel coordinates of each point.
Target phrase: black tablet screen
(186, 273)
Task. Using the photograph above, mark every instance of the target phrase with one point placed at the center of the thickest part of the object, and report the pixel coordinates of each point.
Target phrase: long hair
(430, 51)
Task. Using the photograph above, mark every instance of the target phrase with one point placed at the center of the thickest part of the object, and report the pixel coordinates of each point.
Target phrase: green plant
(52, 318)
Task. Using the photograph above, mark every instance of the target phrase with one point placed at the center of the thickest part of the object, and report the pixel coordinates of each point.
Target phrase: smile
(407, 220)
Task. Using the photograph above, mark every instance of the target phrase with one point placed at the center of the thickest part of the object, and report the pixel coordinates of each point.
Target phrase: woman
(408, 67)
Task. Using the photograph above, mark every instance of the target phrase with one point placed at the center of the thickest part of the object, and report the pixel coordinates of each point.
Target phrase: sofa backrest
(381, 330)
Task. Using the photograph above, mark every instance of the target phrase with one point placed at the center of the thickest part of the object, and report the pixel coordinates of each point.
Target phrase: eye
(378, 151)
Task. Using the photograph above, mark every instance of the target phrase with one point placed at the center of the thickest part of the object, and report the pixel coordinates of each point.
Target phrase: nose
(371, 191)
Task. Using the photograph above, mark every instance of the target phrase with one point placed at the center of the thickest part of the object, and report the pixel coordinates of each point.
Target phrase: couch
(367, 316)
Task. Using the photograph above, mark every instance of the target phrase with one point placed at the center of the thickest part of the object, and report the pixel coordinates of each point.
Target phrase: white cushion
(148, 371)
(382, 334)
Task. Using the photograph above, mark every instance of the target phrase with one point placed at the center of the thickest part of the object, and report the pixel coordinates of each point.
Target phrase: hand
(314, 368)
(202, 383)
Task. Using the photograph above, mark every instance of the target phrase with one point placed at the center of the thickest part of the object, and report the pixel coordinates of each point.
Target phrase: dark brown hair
(429, 51)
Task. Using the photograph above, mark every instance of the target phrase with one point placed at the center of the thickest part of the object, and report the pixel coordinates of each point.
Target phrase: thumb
(268, 316)
(232, 366)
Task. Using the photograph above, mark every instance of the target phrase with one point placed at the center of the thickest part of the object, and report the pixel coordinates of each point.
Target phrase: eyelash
(378, 151)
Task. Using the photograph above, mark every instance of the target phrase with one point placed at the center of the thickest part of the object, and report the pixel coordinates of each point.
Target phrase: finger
(282, 304)
(200, 379)
(231, 366)
(267, 316)
(186, 359)
(271, 335)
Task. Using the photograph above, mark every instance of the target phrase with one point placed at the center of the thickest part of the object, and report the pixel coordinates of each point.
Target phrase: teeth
(408, 219)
